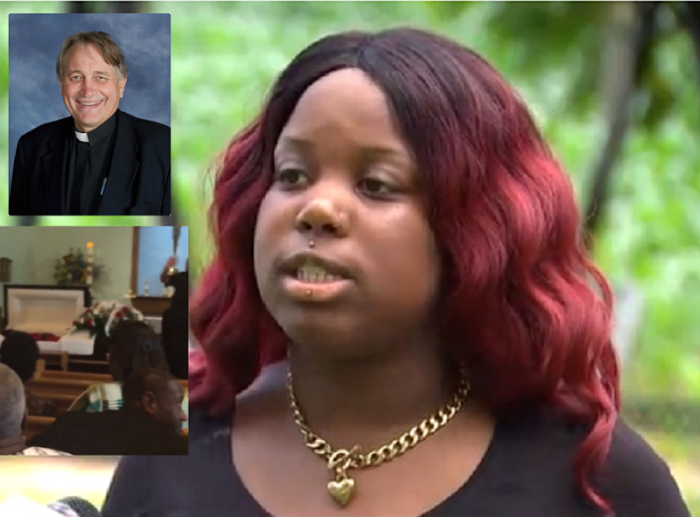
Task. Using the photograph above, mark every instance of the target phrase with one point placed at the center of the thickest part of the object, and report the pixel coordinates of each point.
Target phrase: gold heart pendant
(342, 490)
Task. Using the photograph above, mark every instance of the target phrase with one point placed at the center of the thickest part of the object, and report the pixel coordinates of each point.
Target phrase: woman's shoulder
(637, 480)
(633, 477)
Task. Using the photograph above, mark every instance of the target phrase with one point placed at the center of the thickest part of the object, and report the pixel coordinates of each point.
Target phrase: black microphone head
(80, 506)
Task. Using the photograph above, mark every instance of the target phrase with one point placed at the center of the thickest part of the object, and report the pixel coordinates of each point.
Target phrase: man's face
(167, 408)
(90, 88)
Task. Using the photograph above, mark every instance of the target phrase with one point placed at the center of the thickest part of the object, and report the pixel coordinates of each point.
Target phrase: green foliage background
(225, 56)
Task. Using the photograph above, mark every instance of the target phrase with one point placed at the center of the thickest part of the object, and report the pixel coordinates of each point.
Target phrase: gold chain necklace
(342, 487)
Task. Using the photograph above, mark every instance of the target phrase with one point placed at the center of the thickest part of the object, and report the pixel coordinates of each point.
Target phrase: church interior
(74, 291)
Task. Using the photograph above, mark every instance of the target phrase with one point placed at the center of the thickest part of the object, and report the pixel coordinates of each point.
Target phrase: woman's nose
(323, 216)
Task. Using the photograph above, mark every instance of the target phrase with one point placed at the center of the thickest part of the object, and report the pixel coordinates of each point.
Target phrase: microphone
(18, 506)
(74, 506)
(62, 509)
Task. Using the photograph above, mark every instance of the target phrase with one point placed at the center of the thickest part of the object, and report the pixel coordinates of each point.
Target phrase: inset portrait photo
(89, 113)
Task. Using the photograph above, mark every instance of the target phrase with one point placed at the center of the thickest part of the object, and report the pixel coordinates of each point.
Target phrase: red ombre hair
(517, 304)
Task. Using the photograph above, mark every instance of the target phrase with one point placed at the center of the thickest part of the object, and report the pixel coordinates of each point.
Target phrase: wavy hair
(133, 346)
(522, 304)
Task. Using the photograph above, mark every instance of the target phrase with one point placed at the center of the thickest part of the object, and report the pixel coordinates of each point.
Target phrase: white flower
(115, 309)
(109, 310)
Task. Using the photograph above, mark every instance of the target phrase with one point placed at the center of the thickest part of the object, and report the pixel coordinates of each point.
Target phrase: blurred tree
(688, 14)
(107, 7)
(610, 48)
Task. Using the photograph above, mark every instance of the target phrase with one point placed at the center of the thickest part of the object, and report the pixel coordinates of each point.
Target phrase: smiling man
(100, 160)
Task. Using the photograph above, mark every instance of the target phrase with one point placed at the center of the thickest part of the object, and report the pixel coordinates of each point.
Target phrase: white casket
(51, 310)
(156, 323)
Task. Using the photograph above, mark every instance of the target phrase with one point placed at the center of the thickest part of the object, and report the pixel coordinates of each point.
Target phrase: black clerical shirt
(88, 166)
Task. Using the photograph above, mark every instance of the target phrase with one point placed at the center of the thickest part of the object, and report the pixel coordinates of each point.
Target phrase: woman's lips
(317, 290)
(310, 277)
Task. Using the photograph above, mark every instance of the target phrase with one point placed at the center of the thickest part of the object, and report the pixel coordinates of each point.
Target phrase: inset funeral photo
(94, 341)
(89, 114)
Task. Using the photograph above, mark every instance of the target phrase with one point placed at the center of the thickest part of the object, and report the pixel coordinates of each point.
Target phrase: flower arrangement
(104, 316)
(74, 269)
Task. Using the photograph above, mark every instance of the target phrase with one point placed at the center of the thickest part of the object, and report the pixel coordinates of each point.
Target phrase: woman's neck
(368, 402)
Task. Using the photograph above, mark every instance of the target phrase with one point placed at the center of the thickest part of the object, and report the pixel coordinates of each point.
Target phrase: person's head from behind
(12, 403)
(158, 393)
(438, 217)
(132, 346)
(91, 70)
(20, 352)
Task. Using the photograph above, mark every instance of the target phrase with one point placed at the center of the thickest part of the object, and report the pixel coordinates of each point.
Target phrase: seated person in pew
(13, 417)
(132, 345)
(148, 423)
(20, 352)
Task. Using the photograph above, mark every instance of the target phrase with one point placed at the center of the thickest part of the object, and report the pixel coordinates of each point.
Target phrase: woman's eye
(290, 177)
(375, 187)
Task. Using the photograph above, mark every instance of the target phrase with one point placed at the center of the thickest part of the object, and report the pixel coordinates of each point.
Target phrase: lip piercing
(309, 292)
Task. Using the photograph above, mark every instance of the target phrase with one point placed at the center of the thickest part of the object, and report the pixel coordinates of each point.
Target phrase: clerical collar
(97, 134)
(12, 445)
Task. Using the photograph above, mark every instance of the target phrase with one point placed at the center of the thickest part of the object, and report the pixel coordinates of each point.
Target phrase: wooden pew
(65, 362)
(41, 373)
(70, 387)
(88, 365)
(62, 401)
(36, 425)
(95, 378)
(55, 358)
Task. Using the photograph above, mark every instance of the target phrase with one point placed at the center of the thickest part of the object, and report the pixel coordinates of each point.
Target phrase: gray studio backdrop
(35, 39)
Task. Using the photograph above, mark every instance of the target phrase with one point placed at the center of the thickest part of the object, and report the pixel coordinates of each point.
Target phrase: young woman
(399, 319)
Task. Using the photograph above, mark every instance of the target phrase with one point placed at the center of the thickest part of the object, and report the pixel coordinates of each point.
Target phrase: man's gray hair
(12, 402)
(109, 50)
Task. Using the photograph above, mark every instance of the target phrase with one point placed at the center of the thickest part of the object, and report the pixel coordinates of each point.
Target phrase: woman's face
(346, 181)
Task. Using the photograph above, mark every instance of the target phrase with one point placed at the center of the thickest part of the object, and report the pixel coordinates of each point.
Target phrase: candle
(90, 247)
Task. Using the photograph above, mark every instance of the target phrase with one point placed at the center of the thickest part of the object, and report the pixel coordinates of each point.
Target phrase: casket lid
(44, 309)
